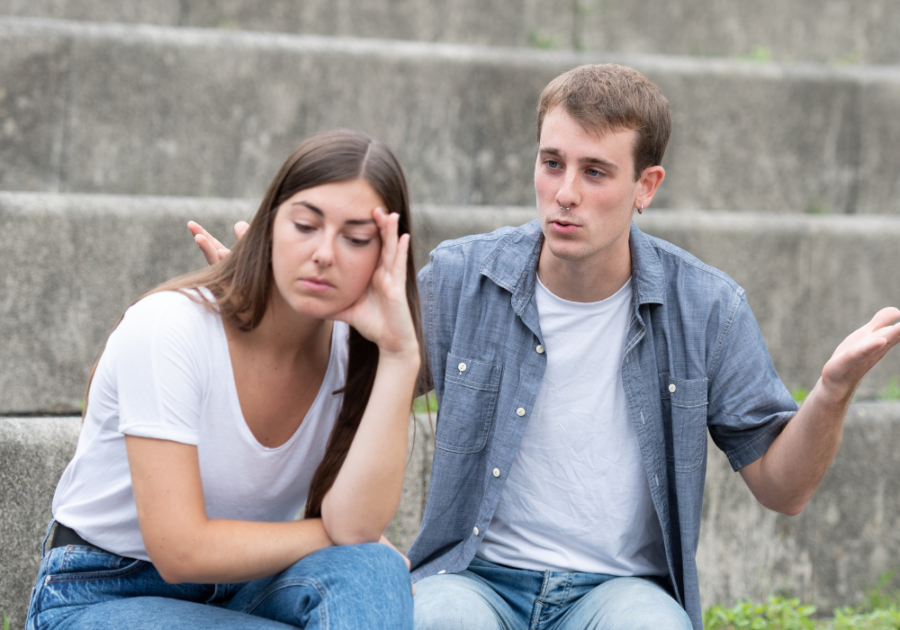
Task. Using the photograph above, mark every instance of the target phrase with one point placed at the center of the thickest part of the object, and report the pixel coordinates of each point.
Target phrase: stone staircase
(120, 120)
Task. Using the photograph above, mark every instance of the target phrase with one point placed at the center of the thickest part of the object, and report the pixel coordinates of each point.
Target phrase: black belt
(63, 536)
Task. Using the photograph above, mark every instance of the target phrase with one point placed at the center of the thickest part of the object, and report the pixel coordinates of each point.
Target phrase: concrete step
(34, 451)
(142, 109)
(838, 31)
(828, 555)
(75, 262)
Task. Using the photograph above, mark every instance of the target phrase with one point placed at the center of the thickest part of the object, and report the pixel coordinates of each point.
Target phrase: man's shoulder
(686, 273)
(471, 253)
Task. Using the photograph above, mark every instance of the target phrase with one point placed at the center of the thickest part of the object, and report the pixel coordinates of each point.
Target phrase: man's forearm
(785, 477)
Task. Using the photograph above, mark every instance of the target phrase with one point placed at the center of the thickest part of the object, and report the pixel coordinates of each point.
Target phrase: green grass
(799, 394)
(891, 391)
(879, 610)
(425, 403)
(5, 620)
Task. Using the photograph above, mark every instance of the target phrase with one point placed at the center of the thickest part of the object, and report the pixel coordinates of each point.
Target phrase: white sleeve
(162, 367)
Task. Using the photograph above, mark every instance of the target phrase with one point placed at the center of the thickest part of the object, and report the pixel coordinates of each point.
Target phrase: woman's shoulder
(183, 305)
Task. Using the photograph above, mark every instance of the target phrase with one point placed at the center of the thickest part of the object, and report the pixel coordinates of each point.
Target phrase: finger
(209, 252)
(196, 229)
(240, 228)
(389, 242)
(883, 318)
(399, 270)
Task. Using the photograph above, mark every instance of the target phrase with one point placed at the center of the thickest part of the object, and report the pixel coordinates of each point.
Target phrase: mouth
(316, 284)
(561, 226)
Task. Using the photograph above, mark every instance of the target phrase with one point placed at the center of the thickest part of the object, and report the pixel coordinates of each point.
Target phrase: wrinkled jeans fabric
(489, 596)
(356, 587)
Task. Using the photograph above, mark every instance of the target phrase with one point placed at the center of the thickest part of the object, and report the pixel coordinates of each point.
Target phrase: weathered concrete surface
(33, 454)
(810, 280)
(839, 31)
(845, 538)
(128, 109)
(35, 451)
(75, 263)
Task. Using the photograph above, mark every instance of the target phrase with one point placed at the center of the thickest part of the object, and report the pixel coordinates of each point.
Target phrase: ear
(647, 184)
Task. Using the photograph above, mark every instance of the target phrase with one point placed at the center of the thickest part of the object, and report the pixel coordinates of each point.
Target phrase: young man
(578, 365)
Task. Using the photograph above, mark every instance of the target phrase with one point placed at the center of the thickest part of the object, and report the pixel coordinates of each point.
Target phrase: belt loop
(47, 535)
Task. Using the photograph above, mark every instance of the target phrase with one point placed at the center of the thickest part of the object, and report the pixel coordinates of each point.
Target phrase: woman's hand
(381, 314)
(212, 249)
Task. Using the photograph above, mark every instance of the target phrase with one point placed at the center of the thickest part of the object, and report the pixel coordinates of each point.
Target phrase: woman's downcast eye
(303, 227)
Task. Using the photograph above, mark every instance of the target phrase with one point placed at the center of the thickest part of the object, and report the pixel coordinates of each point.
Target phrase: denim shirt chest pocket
(686, 404)
(467, 405)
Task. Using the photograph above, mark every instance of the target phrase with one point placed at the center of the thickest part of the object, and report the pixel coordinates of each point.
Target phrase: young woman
(227, 400)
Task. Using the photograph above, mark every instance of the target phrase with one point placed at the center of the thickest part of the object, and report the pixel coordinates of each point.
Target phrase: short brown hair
(609, 97)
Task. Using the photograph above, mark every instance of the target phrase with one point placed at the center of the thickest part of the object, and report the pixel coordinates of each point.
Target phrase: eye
(358, 242)
(552, 164)
(304, 227)
(595, 173)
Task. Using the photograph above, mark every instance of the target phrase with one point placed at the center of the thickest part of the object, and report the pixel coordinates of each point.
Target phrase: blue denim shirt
(694, 361)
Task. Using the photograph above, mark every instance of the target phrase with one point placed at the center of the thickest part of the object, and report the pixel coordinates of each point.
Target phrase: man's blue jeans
(349, 587)
(488, 596)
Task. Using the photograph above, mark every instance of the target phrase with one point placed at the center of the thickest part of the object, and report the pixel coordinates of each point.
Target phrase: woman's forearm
(366, 492)
(226, 551)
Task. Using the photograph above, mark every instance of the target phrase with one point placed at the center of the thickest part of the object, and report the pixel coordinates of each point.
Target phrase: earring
(640, 209)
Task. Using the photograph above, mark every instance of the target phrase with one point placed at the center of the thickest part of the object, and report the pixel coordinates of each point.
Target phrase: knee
(448, 602)
(636, 604)
(373, 567)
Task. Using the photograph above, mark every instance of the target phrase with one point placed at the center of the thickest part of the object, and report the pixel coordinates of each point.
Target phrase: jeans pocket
(467, 404)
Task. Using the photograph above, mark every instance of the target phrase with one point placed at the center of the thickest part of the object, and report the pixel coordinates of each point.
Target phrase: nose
(569, 194)
(323, 255)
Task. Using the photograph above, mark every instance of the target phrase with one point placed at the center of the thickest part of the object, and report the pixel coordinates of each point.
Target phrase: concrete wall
(846, 537)
(839, 31)
(149, 110)
(75, 262)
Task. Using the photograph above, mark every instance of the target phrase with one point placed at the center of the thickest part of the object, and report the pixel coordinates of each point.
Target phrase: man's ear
(647, 185)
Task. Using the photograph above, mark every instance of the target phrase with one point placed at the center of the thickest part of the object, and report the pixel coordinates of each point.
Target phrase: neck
(286, 335)
(588, 279)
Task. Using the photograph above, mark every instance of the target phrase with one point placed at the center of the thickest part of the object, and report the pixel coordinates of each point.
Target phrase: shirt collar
(512, 262)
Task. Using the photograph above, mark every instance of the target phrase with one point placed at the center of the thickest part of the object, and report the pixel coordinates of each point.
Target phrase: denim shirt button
(496, 472)
(520, 411)
(461, 367)
(672, 388)
(539, 349)
(475, 530)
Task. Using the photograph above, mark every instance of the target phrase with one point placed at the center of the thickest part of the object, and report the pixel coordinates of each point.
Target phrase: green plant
(542, 41)
(758, 53)
(891, 391)
(428, 402)
(778, 614)
(5, 620)
(799, 394)
(816, 207)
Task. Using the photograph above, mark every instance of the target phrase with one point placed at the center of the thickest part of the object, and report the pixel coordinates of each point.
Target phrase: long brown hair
(241, 283)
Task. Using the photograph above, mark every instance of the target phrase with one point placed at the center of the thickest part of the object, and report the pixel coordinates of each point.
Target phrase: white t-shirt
(577, 497)
(166, 374)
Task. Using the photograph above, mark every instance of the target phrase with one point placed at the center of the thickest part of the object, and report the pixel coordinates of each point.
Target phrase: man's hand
(785, 477)
(859, 353)
(212, 249)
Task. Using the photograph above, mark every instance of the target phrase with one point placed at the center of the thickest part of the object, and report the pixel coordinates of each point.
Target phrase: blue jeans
(489, 596)
(349, 587)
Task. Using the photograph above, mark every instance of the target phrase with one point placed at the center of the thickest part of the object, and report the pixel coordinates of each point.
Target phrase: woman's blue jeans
(349, 587)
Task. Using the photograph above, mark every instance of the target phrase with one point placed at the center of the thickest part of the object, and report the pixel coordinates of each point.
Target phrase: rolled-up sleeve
(748, 404)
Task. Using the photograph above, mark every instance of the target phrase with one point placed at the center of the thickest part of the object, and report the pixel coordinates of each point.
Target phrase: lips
(563, 227)
(316, 284)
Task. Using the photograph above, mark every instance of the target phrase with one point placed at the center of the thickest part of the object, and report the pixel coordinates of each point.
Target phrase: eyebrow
(308, 205)
(586, 161)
